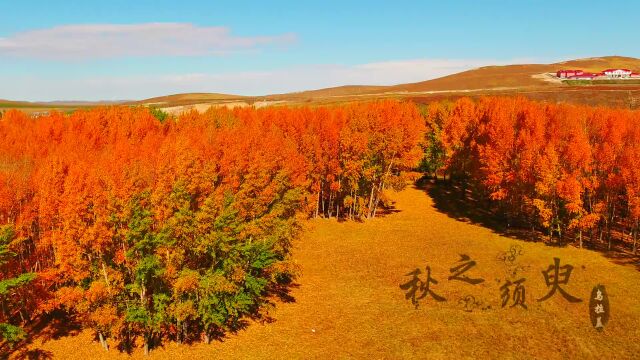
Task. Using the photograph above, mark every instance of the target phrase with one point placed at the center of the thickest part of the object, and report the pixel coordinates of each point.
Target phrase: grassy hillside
(600, 63)
(32, 108)
(525, 79)
(349, 304)
(347, 90)
(515, 76)
(8, 104)
(481, 78)
(188, 98)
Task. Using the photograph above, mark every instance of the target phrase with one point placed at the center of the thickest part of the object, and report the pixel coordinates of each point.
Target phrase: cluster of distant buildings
(603, 75)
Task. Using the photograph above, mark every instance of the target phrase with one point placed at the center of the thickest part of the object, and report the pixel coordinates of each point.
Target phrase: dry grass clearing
(349, 304)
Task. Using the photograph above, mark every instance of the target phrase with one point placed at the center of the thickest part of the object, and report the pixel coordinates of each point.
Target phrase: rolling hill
(189, 98)
(531, 80)
(346, 90)
(514, 76)
(520, 76)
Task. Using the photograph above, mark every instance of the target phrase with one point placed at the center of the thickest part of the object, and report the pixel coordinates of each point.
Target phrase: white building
(617, 73)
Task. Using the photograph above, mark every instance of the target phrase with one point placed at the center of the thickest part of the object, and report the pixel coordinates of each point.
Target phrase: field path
(349, 304)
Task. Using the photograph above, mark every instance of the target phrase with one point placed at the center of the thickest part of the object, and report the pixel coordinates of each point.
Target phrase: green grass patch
(602, 82)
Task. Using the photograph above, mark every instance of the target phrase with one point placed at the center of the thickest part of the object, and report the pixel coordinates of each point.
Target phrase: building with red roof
(565, 74)
(605, 74)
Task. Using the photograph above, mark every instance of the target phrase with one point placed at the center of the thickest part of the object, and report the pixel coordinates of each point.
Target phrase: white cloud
(242, 83)
(97, 41)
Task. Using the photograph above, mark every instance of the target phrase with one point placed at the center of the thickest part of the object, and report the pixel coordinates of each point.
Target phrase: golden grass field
(348, 303)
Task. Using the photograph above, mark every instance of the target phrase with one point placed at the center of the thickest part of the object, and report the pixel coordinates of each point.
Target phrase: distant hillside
(601, 63)
(345, 90)
(531, 80)
(189, 98)
(43, 107)
(12, 104)
(482, 78)
(507, 77)
(514, 76)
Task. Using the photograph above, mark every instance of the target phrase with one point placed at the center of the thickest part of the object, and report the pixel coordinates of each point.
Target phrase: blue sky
(108, 50)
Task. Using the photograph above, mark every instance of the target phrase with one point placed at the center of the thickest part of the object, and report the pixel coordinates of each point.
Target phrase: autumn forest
(148, 228)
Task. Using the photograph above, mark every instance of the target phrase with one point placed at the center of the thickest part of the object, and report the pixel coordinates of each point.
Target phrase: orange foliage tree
(569, 169)
(147, 229)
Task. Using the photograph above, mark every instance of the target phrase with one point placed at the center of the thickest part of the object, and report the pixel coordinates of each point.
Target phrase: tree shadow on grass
(45, 328)
(388, 209)
(54, 326)
(382, 211)
(33, 354)
(57, 324)
(625, 258)
(276, 294)
(452, 200)
(461, 204)
(283, 292)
